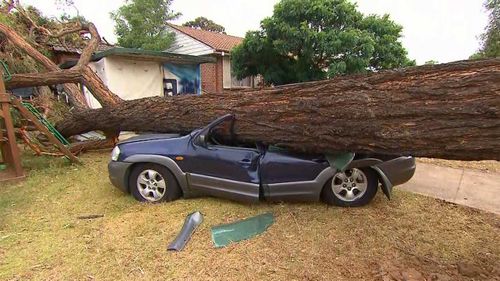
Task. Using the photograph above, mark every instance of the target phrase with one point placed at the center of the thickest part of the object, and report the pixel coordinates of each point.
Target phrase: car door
(224, 171)
(289, 176)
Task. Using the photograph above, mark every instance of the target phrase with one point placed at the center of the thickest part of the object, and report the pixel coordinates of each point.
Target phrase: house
(61, 54)
(134, 73)
(214, 77)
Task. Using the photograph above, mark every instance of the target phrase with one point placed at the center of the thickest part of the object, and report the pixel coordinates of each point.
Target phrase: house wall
(212, 76)
(129, 79)
(185, 44)
(133, 79)
(99, 68)
(226, 72)
(230, 81)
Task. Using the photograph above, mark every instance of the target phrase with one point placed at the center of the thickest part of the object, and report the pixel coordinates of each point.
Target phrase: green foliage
(143, 24)
(308, 40)
(491, 38)
(19, 62)
(205, 24)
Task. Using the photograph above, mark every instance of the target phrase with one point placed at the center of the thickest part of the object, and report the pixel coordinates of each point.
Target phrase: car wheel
(153, 183)
(351, 188)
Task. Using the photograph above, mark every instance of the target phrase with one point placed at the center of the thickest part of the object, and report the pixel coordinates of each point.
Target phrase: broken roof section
(103, 46)
(218, 41)
(145, 55)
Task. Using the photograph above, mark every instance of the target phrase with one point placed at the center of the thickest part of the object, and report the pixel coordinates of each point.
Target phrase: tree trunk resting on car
(448, 111)
(443, 111)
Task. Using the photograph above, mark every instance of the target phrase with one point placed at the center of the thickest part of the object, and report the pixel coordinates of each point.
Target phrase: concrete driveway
(461, 186)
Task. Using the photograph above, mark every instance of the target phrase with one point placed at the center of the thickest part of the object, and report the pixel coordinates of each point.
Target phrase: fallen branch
(90, 217)
(41, 79)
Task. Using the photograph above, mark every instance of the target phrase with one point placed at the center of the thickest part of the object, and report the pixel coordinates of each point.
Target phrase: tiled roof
(220, 42)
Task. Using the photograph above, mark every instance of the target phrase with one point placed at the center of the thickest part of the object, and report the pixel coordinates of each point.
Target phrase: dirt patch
(484, 166)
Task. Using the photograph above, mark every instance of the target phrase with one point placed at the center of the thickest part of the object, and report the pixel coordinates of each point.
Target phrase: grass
(42, 239)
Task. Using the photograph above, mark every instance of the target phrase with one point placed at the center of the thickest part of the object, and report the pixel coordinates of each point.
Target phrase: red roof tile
(220, 42)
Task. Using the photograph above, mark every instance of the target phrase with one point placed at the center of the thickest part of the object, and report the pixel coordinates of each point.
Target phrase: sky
(440, 30)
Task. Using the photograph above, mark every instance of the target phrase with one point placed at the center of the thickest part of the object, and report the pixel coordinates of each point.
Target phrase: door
(289, 176)
(223, 170)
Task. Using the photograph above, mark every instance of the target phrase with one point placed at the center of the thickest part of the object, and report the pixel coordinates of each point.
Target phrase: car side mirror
(202, 140)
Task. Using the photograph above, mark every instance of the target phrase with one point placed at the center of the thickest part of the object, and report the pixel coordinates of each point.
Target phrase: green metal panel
(45, 122)
(6, 73)
(225, 234)
(340, 161)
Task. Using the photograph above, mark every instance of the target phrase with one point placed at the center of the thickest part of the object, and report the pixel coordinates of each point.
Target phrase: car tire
(353, 188)
(153, 183)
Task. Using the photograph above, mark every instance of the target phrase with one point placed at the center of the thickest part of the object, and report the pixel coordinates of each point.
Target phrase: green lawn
(42, 239)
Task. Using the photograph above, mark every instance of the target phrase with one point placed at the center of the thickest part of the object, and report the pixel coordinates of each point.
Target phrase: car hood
(149, 137)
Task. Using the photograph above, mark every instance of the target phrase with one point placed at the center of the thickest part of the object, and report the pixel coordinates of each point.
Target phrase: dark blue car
(209, 162)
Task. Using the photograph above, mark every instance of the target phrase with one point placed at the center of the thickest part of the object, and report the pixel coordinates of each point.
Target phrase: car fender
(164, 161)
(365, 162)
(372, 162)
(386, 183)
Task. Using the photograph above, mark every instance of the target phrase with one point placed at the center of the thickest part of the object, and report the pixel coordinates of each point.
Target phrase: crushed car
(165, 167)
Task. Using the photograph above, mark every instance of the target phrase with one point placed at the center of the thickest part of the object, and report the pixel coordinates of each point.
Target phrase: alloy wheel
(151, 185)
(349, 185)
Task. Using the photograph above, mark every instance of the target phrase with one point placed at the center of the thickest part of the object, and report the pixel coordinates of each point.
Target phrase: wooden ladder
(8, 145)
(44, 130)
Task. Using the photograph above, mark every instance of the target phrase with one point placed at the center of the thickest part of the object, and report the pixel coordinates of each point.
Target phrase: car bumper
(118, 174)
(395, 172)
(398, 170)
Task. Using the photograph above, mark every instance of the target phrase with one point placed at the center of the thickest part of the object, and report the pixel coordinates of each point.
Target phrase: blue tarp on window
(188, 77)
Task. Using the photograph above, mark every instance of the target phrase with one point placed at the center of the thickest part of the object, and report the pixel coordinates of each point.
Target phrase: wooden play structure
(11, 168)
(10, 160)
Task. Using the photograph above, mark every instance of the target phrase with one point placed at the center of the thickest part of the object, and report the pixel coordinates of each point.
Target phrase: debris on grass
(90, 217)
(225, 234)
(192, 221)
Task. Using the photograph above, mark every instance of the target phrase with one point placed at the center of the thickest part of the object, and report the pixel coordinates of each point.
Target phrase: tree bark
(449, 111)
(40, 79)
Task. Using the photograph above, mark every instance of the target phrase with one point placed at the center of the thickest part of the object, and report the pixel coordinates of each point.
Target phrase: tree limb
(43, 79)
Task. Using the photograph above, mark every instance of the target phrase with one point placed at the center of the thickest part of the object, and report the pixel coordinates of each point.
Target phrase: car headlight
(115, 153)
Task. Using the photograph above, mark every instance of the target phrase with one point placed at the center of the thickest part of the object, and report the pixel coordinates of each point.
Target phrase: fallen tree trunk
(43, 79)
(447, 111)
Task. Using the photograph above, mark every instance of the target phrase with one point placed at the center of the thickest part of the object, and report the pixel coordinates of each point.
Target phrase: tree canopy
(308, 40)
(205, 24)
(30, 23)
(490, 47)
(143, 24)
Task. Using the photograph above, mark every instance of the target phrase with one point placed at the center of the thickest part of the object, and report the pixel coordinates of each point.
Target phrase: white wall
(99, 68)
(187, 45)
(129, 79)
(132, 79)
